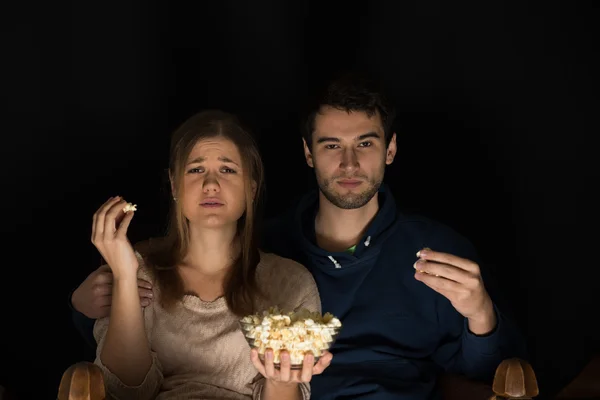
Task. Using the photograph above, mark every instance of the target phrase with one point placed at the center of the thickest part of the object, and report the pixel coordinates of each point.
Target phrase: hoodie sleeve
(461, 351)
(83, 324)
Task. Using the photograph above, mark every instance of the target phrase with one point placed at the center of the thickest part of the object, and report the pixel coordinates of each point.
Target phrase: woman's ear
(172, 183)
(254, 188)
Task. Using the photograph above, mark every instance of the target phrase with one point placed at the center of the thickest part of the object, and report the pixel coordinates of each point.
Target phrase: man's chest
(386, 311)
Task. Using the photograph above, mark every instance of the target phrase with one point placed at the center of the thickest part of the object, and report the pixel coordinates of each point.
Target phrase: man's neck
(337, 229)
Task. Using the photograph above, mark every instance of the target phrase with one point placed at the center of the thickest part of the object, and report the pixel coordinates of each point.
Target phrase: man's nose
(349, 161)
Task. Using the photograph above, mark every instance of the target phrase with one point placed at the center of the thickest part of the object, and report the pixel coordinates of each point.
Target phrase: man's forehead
(332, 121)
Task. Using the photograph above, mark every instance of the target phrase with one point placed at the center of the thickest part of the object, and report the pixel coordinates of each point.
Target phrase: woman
(207, 273)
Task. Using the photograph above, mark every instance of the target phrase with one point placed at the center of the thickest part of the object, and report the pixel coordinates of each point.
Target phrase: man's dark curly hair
(351, 92)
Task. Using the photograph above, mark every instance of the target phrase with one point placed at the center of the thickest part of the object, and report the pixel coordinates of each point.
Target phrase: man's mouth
(349, 183)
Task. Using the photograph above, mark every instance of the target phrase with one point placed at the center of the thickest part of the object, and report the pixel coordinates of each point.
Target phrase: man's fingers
(145, 302)
(94, 223)
(443, 270)
(440, 284)
(104, 268)
(103, 301)
(104, 276)
(145, 293)
(144, 284)
(103, 289)
(445, 258)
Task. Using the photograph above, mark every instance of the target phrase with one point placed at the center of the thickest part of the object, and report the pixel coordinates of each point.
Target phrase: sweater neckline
(195, 303)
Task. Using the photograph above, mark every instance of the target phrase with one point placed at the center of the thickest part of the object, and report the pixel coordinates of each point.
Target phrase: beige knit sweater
(198, 349)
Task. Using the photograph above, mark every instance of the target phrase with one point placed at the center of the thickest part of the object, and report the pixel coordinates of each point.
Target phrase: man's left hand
(459, 280)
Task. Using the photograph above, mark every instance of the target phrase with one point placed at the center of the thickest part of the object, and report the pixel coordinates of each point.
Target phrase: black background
(496, 132)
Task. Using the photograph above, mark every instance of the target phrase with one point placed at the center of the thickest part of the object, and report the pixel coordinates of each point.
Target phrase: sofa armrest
(514, 378)
(82, 381)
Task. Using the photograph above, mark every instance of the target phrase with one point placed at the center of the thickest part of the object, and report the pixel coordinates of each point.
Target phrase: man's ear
(308, 155)
(390, 153)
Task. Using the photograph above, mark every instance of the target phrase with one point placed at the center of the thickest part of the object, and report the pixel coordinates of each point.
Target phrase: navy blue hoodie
(397, 334)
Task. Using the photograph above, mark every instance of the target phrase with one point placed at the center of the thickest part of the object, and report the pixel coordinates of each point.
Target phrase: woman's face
(214, 184)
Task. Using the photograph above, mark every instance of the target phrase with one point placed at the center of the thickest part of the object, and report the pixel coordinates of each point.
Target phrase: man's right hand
(94, 296)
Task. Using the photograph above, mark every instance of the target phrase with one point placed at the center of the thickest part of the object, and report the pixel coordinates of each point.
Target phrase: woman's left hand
(285, 374)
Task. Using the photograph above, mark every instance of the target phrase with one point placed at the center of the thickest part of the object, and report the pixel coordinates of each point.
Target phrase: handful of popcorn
(297, 332)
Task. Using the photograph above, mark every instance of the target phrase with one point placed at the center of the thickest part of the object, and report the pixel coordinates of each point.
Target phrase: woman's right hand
(109, 235)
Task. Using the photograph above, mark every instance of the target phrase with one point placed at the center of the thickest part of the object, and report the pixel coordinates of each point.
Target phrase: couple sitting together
(409, 291)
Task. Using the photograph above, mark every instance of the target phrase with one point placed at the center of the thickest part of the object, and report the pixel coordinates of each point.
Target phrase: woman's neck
(212, 251)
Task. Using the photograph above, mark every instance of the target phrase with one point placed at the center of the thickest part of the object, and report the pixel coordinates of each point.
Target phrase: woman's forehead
(217, 148)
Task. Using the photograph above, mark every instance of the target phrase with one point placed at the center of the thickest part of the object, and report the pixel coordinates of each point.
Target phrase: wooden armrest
(514, 379)
(82, 381)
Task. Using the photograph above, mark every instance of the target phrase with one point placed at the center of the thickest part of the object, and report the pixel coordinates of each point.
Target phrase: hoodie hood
(366, 249)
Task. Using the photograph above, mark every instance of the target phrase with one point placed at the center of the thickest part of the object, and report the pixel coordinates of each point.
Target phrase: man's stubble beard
(350, 201)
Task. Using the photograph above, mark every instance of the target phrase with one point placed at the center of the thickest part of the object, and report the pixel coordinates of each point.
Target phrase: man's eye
(331, 146)
(365, 144)
(227, 170)
(195, 170)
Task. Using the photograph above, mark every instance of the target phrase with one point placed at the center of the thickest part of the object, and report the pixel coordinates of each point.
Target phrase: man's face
(349, 156)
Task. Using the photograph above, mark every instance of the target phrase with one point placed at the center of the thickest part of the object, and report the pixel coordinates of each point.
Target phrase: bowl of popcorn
(298, 333)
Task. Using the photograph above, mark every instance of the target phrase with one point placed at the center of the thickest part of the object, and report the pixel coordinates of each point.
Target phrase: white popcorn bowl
(332, 331)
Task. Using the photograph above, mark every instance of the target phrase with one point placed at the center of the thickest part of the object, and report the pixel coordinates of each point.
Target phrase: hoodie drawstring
(333, 260)
(337, 264)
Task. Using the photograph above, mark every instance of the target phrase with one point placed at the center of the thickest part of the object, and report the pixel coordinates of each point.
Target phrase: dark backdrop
(496, 137)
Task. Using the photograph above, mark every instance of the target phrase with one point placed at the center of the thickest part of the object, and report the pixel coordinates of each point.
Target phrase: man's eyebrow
(327, 139)
(358, 138)
(374, 135)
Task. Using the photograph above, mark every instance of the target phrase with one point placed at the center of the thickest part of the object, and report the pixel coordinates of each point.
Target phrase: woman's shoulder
(286, 283)
(277, 271)
(275, 264)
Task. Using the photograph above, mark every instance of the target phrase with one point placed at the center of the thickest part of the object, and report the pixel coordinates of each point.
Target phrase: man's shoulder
(421, 224)
(435, 234)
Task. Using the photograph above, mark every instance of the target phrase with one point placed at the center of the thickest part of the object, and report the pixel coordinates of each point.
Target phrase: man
(409, 291)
